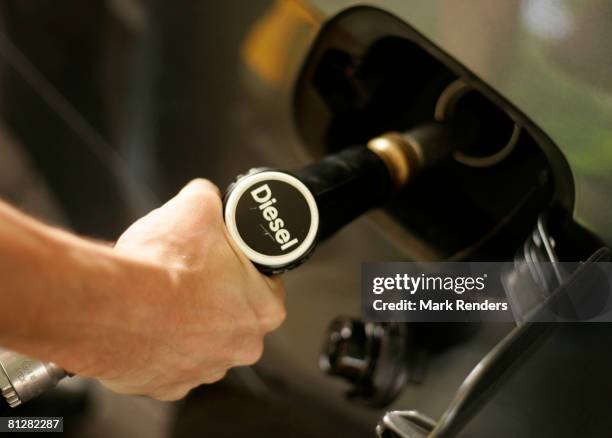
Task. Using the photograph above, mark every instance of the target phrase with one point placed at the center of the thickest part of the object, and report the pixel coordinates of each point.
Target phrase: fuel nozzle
(277, 217)
(23, 378)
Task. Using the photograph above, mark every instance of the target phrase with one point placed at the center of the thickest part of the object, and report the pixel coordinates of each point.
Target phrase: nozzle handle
(277, 217)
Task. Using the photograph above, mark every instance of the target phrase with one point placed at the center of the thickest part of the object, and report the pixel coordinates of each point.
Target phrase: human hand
(201, 309)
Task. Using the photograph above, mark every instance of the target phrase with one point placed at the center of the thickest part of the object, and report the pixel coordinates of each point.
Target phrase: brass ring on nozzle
(401, 156)
(406, 154)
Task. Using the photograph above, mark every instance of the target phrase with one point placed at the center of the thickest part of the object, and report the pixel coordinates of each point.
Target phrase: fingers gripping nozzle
(277, 217)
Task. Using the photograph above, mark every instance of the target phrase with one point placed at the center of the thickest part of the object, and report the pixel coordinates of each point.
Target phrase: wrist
(78, 300)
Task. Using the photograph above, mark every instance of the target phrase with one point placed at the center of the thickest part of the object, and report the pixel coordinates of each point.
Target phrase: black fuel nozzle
(276, 218)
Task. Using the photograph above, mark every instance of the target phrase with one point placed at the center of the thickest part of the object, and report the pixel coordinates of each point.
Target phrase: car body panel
(548, 59)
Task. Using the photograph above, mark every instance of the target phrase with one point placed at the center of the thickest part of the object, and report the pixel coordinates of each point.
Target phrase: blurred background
(114, 105)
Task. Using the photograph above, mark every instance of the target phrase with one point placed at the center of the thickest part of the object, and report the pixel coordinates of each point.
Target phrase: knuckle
(252, 353)
(200, 183)
(273, 317)
(171, 394)
(279, 316)
(215, 377)
(202, 187)
(204, 201)
(207, 377)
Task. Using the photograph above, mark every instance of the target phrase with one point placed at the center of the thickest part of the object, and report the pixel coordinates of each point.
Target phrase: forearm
(62, 294)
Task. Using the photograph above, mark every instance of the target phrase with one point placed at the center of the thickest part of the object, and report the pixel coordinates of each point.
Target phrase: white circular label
(273, 217)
